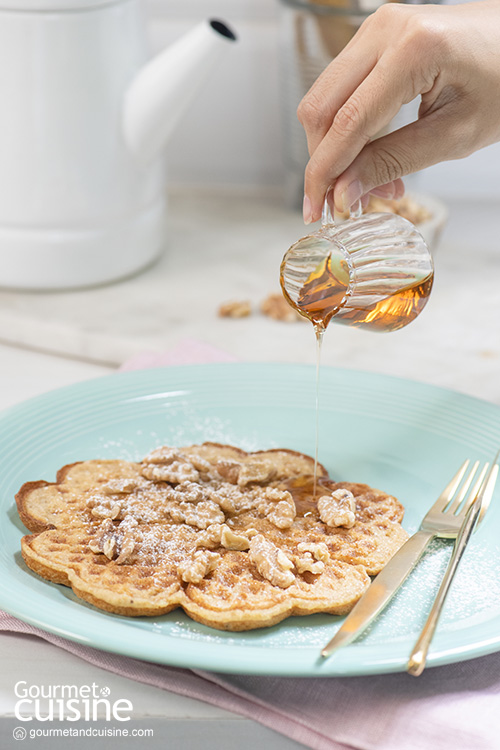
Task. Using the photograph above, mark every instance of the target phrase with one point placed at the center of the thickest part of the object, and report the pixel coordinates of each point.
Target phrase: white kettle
(84, 119)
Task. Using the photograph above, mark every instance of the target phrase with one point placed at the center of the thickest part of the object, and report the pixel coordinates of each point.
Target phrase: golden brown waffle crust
(233, 538)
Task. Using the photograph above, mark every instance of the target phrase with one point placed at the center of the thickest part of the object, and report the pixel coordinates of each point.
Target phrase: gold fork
(418, 657)
(444, 519)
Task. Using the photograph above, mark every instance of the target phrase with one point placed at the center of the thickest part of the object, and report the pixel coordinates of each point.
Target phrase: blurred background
(242, 130)
(234, 177)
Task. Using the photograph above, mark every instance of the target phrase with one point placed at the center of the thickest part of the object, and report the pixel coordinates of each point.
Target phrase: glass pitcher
(372, 271)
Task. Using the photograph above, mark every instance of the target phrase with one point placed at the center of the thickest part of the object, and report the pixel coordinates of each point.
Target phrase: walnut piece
(221, 535)
(104, 507)
(199, 463)
(235, 309)
(163, 455)
(228, 470)
(271, 562)
(313, 557)
(186, 492)
(109, 547)
(319, 550)
(230, 540)
(124, 486)
(194, 569)
(279, 508)
(406, 207)
(95, 546)
(276, 307)
(338, 509)
(211, 537)
(96, 542)
(127, 548)
(177, 472)
(202, 515)
(305, 563)
(115, 542)
(257, 471)
(231, 499)
(166, 464)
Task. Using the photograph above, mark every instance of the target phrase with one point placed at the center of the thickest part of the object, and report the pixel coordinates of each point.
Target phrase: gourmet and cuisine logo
(69, 703)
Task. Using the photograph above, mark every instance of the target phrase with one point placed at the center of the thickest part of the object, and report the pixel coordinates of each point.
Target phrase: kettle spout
(161, 91)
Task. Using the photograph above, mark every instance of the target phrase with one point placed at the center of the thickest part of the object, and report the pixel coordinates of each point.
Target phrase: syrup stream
(326, 294)
(319, 330)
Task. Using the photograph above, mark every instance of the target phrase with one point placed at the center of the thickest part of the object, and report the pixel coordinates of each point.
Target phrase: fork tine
(488, 488)
(477, 488)
(465, 488)
(450, 489)
(488, 494)
(483, 489)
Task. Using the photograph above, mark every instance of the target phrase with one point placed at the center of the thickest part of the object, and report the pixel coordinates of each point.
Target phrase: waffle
(235, 539)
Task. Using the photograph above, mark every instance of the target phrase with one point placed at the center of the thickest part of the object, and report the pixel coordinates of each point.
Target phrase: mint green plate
(400, 436)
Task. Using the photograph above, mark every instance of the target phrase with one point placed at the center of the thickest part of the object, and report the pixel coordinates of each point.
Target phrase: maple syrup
(326, 294)
(303, 490)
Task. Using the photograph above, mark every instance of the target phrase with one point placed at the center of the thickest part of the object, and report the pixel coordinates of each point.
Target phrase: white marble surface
(228, 246)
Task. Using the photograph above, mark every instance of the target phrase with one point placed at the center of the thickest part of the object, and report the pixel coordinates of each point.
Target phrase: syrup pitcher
(85, 118)
(371, 271)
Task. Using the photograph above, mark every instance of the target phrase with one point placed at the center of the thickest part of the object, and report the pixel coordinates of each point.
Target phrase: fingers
(447, 55)
(332, 89)
(390, 191)
(396, 55)
(376, 100)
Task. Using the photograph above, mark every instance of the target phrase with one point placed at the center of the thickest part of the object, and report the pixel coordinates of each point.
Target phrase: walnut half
(221, 535)
(279, 509)
(198, 566)
(235, 309)
(338, 509)
(115, 542)
(271, 562)
(313, 557)
(258, 471)
(276, 307)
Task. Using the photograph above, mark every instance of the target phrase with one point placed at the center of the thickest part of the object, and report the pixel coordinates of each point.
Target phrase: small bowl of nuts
(427, 213)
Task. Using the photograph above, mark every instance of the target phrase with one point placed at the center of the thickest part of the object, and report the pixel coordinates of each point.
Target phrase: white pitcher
(84, 119)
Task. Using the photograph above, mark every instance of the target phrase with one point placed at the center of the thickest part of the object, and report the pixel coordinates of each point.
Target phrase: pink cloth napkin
(186, 352)
(448, 708)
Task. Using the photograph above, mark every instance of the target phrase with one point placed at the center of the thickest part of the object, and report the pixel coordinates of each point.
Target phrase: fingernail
(400, 190)
(352, 193)
(384, 191)
(307, 210)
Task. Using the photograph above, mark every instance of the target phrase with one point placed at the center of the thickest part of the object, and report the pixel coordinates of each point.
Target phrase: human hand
(449, 55)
